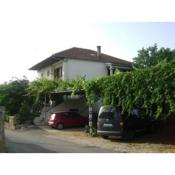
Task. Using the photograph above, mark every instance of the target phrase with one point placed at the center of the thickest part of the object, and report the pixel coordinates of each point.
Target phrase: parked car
(112, 123)
(61, 120)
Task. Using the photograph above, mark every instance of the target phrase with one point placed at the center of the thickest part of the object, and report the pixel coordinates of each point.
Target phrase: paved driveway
(37, 141)
(76, 141)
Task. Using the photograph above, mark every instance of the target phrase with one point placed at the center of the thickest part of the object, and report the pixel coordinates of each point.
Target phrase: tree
(152, 56)
(12, 94)
(14, 97)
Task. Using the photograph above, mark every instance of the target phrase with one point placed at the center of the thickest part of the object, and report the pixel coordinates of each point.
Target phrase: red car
(61, 120)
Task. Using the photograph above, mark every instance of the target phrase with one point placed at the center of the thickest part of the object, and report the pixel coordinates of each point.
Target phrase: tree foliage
(152, 56)
(12, 95)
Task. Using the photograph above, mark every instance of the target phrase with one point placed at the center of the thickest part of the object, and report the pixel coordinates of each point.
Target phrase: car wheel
(105, 137)
(60, 126)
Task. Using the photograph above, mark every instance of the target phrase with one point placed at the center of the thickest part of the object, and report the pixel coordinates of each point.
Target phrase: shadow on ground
(15, 147)
(165, 135)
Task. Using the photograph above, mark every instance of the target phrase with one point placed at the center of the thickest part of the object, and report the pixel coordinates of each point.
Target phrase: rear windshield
(107, 115)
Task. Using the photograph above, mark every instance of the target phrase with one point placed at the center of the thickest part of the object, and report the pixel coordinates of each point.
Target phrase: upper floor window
(58, 73)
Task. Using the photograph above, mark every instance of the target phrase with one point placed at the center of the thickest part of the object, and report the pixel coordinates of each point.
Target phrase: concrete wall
(89, 69)
(11, 124)
(2, 137)
(73, 68)
(43, 73)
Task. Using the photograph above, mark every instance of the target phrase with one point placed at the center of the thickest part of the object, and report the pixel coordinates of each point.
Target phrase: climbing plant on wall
(151, 84)
(152, 88)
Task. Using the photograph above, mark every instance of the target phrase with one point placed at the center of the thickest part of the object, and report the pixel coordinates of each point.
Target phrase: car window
(107, 115)
(65, 114)
(70, 114)
(117, 114)
(74, 114)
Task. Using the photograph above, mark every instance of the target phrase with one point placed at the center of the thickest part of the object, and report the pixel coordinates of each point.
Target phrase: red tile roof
(81, 54)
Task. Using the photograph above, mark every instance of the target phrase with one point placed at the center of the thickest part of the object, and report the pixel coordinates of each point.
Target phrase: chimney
(98, 51)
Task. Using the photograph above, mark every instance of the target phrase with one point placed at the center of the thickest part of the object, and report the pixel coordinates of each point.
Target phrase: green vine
(152, 88)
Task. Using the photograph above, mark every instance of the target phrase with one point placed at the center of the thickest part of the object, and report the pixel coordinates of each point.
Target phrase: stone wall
(11, 124)
(2, 137)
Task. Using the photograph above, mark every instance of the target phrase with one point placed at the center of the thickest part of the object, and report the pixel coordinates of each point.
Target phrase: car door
(71, 119)
(80, 121)
(75, 118)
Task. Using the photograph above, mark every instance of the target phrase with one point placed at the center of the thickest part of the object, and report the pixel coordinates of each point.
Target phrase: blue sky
(131, 37)
(31, 32)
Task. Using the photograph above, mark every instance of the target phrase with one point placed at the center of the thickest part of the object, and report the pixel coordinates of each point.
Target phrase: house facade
(77, 62)
(74, 62)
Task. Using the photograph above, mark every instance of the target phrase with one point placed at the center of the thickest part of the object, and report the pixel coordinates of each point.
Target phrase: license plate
(107, 125)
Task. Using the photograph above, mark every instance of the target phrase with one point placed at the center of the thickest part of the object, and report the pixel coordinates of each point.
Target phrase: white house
(74, 62)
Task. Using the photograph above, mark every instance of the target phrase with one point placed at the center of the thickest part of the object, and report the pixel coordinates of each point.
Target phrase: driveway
(71, 140)
(159, 142)
(37, 141)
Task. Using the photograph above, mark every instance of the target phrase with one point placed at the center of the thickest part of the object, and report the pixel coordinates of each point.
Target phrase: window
(107, 115)
(70, 114)
(74, 114)
(65, 114)
(58, 73)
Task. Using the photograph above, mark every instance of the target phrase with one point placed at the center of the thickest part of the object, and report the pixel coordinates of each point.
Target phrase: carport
(67, 101)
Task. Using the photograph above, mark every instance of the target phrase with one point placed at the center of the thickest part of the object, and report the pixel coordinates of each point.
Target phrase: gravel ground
(157, 143)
